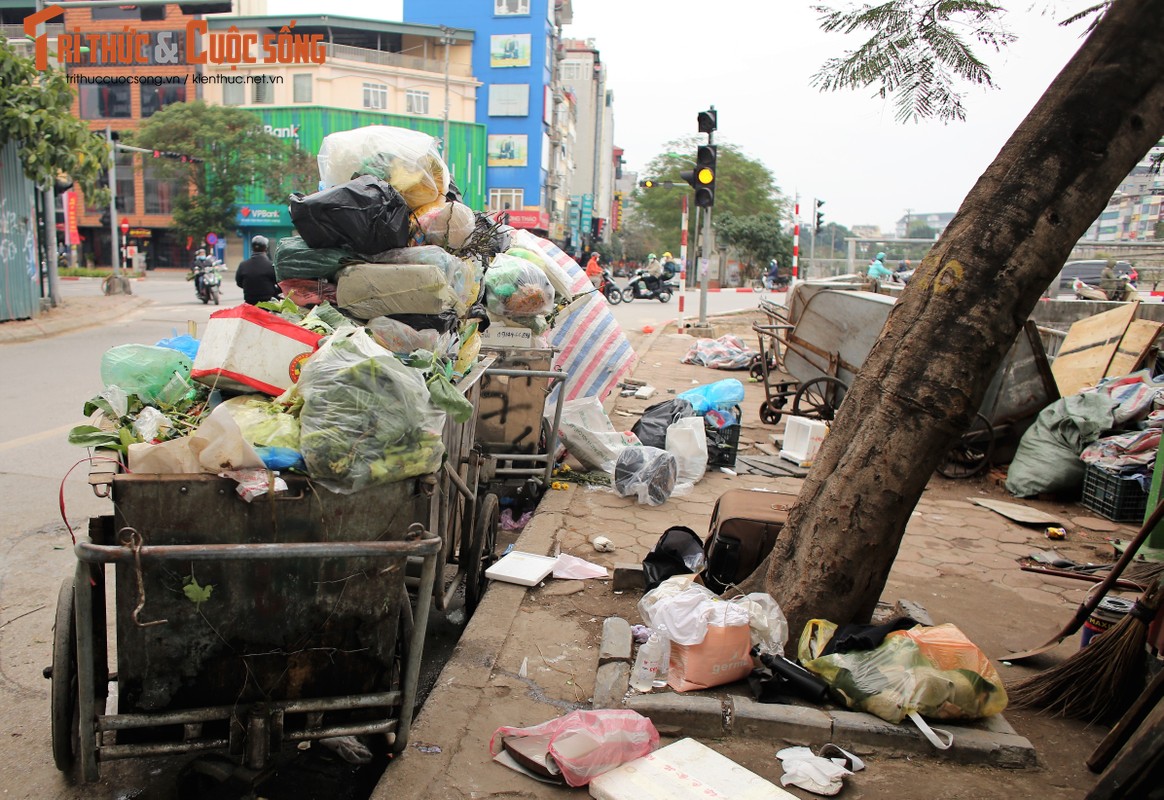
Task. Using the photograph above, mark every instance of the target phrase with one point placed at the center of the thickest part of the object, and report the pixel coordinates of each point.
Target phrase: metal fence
(19, 291)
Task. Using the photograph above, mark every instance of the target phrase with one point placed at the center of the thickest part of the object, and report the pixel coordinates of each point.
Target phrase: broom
(1100, 680)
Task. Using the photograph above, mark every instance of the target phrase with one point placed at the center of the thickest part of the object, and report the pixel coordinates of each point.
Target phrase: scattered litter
(349, 748)
(684, 770)
(1016, 512)
(524, 569)
(818, 774)
(254, 483)
(508, 523)
(523, 670)
(727, 471)
(645, 392)
(427, 748)
(602, 544)
(640, 633)
(726, 352)
(570, 567)
(1056, 534)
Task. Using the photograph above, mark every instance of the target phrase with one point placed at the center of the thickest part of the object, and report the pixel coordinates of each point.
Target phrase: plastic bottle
(647, 664)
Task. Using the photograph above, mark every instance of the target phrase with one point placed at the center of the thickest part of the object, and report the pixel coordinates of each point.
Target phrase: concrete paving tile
(914, 570)
(961, 505)
(960, 570)
(1040, 596)
(1029, 580)
(1020, 550)
(1018, 535)
(953, 557)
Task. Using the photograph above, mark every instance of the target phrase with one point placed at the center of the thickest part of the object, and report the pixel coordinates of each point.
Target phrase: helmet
(651, 257)
(666, 255)
(880, 256)
(259, 244)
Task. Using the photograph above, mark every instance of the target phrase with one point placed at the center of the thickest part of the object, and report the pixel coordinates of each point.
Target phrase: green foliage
(757, 238)
(743, 187)
(195, 592)
(917, 52)
(235, 151)
(36, 113)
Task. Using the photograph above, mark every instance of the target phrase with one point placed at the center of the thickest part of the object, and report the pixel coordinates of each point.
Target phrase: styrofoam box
(802, 439)
(249, 349)
(684, 770)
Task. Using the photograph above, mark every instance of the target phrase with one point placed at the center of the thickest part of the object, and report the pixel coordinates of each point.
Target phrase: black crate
(722, 444)
(1115, 496)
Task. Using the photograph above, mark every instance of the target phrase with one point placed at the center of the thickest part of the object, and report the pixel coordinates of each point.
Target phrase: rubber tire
(665, 296)
(817, 388)
(614, 296)
(64, 707)
(214, 295)
(628, 294)
(204, 297)
(482, 553)
(770, 413)
(955, 469)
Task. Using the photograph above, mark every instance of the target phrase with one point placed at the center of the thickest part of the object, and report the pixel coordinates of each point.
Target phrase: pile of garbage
(388, 284)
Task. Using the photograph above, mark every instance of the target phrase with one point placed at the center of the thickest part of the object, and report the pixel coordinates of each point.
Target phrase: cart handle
(103, 554)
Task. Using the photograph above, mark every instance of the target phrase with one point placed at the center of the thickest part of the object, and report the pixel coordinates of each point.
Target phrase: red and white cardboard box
(248, 349)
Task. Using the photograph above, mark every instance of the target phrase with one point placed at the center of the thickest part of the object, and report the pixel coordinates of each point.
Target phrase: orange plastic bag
(724, 656)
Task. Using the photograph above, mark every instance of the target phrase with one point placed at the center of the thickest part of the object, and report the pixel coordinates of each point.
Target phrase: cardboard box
(248, 349)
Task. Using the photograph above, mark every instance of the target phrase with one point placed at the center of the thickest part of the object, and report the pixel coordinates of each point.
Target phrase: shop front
(266, 219)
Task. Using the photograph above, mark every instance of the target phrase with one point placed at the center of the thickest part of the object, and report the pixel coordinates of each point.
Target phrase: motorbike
(766, 284)
(207, 281)
(640, 288)
(609, 288)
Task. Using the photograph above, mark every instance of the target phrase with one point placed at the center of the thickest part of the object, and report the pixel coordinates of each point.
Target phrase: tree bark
(948, 333)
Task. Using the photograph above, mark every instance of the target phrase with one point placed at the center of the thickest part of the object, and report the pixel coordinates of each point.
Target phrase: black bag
(679, 551)
(652, 425)
(365, 214)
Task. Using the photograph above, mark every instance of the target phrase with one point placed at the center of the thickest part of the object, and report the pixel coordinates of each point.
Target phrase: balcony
(15, 35)
(383, 58)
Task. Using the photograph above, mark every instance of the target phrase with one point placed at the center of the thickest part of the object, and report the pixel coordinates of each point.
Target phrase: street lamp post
(446, 40)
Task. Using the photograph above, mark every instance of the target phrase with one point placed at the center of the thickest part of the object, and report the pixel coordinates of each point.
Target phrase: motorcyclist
(773, 274)
(256, 275)
(594, 271)
(654, 273)
(1114, 286)
(201, 261)
(877, 270)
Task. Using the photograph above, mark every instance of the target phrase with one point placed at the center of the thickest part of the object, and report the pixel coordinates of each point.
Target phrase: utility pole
(682, 261)
(446, 40)
(113, 232)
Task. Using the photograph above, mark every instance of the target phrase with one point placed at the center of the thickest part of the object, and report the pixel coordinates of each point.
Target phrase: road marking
(35, 437)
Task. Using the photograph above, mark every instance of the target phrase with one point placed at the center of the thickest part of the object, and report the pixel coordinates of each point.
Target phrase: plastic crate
(1109, 494)
(722, 444)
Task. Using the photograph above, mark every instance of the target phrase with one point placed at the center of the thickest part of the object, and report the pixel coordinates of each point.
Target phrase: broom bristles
(1100, 679)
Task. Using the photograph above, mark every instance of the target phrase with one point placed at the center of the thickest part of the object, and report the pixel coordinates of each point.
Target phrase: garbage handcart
(243, 627)
(811, 350)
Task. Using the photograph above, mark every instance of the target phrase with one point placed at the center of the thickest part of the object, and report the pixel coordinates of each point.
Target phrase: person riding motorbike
(654, 273)
(1114, 286)
(773, 274)
(256, 275)
(877, 270)
(594, 271)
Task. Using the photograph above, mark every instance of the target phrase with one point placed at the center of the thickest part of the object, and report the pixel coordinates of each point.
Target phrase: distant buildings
(1136, 209)
(936, 220)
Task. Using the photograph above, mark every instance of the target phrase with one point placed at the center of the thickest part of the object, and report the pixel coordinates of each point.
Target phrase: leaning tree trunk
(952, 326)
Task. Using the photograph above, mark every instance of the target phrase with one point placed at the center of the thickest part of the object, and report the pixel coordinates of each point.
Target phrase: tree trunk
(954, 323)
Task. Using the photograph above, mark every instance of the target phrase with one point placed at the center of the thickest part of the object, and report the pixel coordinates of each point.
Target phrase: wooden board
(1015, 512)
(1134, 347)
(1087, 351)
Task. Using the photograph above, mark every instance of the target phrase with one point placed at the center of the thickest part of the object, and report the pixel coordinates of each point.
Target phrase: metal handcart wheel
(971, 454)
(771, 411)
(65, 720)
(819, 398)
(482, 552)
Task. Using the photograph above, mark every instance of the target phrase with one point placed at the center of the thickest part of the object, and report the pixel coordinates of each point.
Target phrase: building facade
(1135, 211)
(515, 55)
(592, 188)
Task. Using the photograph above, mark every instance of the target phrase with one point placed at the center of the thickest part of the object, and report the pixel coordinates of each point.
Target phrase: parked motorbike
(207, 279)
(643, 287)
(609, 289)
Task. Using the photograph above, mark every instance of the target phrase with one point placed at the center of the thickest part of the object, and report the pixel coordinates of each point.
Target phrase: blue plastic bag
(720, 395)
(281, 458)
(186, 345)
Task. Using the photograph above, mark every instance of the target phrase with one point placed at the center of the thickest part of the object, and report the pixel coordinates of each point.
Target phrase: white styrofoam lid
(521, 568)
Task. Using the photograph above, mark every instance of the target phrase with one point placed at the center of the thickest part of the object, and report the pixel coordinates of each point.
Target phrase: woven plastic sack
(459, 274)
(585, 744)
(933, 672)
(294, 259)
(407, 159)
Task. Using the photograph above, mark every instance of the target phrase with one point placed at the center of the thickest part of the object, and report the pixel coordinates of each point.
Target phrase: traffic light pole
(705, 261)
(113, 232)
(815, 233)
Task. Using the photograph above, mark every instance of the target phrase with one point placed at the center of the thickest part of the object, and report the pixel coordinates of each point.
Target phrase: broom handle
(1099, 592)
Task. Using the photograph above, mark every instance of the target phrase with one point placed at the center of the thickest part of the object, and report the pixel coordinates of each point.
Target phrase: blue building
(514, 58)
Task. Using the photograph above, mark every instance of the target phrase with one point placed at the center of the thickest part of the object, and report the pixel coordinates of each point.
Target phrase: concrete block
(616, 641)
(853, 728)
(909, 608)
(628, 577)
(772, 721)
(971, 745)
(975, 746)
(996, 724)
(610, 684)
(686, 715)
(701, 331)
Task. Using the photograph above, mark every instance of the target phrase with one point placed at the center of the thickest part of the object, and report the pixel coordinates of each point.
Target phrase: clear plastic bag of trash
(515, 288)
(447, 225)
(147, 371)
(648, 473)
(407, 159)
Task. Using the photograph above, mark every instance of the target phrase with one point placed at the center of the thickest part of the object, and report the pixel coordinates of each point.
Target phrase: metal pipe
(519, 457)
(415, 650)
(113, 238)
(355, 729)
(50, 245)
(552, 435)
(111, 752)
(94, 553)
(459, 482)
(519, 471)
(86, 690)
(528, 373)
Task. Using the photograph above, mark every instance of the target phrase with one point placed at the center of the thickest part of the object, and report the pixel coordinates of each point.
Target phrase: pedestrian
(594, 271)
(256, 275)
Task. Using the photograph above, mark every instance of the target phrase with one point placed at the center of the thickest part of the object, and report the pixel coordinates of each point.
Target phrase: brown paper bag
(722, 657)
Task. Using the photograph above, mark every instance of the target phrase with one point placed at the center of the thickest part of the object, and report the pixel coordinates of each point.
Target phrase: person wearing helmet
(256, 275)
(877, 270)
(654, 271)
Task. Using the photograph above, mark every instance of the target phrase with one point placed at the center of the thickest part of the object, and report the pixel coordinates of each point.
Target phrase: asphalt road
(46, 383)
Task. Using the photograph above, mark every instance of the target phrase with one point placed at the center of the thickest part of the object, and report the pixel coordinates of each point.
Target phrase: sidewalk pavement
(73, 313)
(529, 655)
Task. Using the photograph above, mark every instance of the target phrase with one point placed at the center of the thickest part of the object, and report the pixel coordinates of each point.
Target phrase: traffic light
(647, 184)
(177, 157)
(707, 120)
(702, 178)
(819, 216)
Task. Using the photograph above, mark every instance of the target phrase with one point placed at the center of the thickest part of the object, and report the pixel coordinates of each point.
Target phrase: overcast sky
(756, 65)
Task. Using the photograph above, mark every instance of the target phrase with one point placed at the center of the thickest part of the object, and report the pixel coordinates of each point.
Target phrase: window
(376, 96)
(506, 199)
(234, 94)
(161, 190)
(104, 101)
(509, 100)
(264, 93)
(416, 102)
(155, 98)
(510, 8)
(302, 88)
(115, 12)
(574, 70)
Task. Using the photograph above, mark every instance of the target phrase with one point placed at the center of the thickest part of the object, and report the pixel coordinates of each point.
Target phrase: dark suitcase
(744, 527)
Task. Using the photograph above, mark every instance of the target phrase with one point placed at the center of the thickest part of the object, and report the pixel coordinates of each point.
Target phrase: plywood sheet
(1089, 347)
(1134, 347)
(1018, 513)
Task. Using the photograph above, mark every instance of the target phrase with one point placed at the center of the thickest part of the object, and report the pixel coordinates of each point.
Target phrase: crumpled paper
(818, 774)
(254, 483)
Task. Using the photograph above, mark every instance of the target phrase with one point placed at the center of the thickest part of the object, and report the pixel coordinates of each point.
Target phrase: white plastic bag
(766, 620)
(589, 436)
(569, 567)
(687, 441)
(685, 613)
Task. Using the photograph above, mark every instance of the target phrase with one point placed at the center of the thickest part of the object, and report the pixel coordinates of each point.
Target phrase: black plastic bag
(652, 425)
(365, 214)
(445, 322)
(647, 472)
(679, 551)
(778, 678)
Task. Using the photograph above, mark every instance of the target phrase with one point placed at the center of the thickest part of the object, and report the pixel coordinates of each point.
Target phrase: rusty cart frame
(243, 627)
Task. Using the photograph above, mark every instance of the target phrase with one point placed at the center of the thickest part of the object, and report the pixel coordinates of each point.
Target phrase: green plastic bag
(294, 259)
(154, 374)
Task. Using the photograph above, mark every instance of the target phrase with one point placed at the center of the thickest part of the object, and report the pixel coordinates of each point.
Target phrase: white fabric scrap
(813, 773)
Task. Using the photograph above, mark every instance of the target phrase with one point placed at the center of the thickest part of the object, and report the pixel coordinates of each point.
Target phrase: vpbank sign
(286, 132)
(262, 215)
